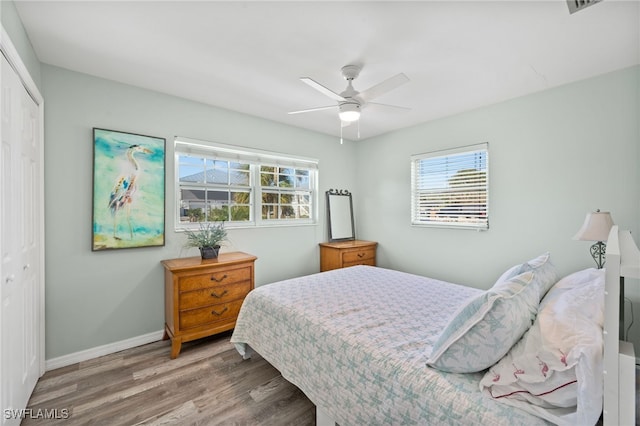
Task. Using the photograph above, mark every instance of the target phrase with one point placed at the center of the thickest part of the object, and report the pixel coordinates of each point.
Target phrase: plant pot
(209, 252)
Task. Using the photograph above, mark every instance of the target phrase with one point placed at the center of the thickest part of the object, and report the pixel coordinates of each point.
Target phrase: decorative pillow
(546, 273)
(555, 371)
(484, 329)
(510, 273)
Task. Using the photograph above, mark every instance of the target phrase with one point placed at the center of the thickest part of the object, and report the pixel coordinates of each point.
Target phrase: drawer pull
(361, 255)
(213, 278)
(214, 312)
(218, 296)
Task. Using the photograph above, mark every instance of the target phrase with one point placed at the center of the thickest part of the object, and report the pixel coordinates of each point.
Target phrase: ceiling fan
(350, 102)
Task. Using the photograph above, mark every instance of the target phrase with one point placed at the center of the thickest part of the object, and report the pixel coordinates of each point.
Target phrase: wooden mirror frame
(340, 215)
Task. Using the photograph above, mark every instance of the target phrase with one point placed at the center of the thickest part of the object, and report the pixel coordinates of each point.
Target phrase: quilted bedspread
(356, 341)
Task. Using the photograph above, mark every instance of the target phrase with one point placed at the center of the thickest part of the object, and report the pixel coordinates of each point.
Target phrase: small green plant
(209, 235)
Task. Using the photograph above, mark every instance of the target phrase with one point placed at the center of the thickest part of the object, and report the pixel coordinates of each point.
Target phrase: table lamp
(596, 227)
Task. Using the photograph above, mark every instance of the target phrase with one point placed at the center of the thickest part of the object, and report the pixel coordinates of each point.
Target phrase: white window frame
(442, 165)
(255, 158)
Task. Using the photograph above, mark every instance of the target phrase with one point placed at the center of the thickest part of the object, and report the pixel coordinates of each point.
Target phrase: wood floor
(208, 384)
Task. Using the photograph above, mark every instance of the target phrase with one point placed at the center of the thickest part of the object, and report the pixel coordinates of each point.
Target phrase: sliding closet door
(19, 246)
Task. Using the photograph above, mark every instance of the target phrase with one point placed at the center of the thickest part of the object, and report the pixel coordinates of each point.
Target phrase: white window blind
(451, 188)
(243, 155)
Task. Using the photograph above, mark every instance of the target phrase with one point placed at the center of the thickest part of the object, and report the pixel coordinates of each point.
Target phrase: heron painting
(128, 190)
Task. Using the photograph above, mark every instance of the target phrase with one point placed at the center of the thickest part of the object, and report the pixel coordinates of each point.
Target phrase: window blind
(219, 151)
(450, 188)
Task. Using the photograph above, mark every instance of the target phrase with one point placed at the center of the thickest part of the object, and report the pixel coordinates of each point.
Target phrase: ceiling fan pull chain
(358, 129)
(341, 133)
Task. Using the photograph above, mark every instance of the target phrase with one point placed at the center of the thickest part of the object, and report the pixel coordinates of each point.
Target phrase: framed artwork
(128, 190)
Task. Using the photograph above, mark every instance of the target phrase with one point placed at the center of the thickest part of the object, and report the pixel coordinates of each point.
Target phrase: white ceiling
(248, 56)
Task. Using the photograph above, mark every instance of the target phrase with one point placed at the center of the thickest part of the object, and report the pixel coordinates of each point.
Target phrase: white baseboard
(63, 361)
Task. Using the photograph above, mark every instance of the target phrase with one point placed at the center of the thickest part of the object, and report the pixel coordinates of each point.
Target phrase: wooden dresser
(341, 254)
(203, 296)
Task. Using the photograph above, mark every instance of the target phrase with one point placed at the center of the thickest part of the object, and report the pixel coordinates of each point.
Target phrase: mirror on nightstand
(340, 215)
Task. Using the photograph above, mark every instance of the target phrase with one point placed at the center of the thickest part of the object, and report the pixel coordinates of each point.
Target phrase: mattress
(356, 341)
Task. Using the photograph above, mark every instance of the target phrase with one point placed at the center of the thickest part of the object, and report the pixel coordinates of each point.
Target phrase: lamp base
(598, 251)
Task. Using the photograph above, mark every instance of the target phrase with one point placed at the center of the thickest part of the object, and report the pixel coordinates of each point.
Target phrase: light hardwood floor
(208, 384)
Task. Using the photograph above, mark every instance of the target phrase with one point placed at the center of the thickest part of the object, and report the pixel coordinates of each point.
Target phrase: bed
(370, 345)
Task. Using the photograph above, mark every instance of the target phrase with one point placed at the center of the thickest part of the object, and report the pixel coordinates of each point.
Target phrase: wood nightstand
(203, 296)
(341, 254)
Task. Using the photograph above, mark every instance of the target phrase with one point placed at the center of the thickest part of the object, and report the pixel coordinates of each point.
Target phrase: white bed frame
(623, 261)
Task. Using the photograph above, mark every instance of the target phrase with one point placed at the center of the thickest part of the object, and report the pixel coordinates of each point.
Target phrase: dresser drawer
(214, 295)
(224, 312)
(226, 276)
(341, 254)
(357, 256)
(203, 297)
(371, 262)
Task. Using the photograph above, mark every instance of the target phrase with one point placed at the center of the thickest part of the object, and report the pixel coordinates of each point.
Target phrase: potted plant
(207, 238)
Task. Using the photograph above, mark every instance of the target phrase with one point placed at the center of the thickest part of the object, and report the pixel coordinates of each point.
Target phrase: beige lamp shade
(596, 227)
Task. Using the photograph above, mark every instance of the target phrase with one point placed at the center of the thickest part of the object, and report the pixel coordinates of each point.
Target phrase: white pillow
(555, 370)
(485, 328)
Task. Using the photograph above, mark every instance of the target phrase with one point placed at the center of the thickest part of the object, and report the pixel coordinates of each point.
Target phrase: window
(451, 188)
(243, 187)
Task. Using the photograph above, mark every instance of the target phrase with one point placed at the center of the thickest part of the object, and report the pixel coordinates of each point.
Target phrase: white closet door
(19, 246)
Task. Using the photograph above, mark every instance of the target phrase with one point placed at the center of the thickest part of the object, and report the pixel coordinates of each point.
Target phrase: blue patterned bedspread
(356, 341)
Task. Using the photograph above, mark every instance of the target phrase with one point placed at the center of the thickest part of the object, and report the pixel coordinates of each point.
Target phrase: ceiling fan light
(349, 116)
(349, 112)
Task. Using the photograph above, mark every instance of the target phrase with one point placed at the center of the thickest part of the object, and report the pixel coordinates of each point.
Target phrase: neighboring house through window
(242, 186)
(450, 188)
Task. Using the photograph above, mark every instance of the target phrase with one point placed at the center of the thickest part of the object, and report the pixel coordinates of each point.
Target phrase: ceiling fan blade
(312, 109)
(384, 87)
(389, 106)
(320, 88)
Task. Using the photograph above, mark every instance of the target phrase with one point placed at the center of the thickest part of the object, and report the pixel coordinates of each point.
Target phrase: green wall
(13, 26)
(553, 157)
(96, 298)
